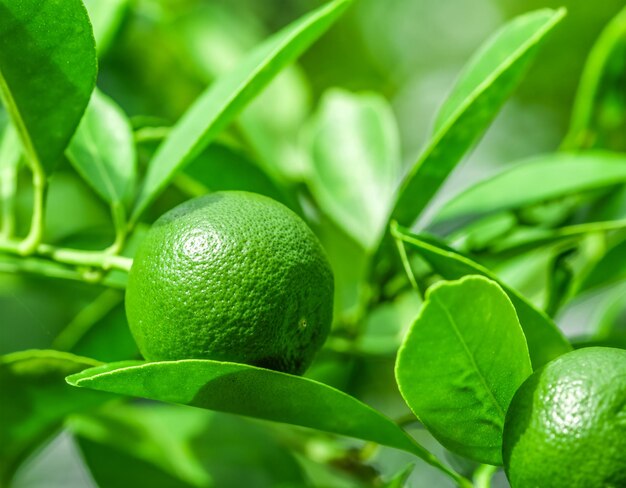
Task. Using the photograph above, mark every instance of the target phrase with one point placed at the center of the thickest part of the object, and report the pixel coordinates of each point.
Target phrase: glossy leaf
(225, 98)
(47, 72)
(35, 401)
(542, 178)
(103, 149)
(487, 81)
(250, 391)
(545, 340)
(599, 114)
(216, 37)
(461, 363)
(355, 162)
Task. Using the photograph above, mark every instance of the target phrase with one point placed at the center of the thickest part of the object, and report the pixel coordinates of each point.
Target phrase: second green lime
(231, 276)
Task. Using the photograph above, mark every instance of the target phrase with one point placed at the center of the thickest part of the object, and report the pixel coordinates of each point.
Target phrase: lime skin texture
(566, 425)
(231, 276)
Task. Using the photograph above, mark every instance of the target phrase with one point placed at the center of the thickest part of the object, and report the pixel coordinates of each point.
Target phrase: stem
(483, 475)
(97, 259)
(407, 267)
(8, 183)
(29, 245)
(118, 213)
(151, 134)
(86, 319)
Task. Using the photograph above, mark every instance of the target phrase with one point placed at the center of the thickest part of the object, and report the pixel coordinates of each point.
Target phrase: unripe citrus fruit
(566, 425)
(231, 276)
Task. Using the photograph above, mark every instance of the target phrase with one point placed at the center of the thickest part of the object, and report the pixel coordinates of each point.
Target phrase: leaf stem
(483, 475)
(29, 245)
(103, 260)
(8, 184)
(118, 213)
(86, 319)
(98, 259)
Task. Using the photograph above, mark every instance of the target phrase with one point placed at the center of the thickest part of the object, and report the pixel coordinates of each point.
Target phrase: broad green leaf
(103, 149)
(538, 179)
(545, 340)
(460, 364)
(253, 392)
(106, 17)
(35, 401)
(599, 114)
(487, 81)
(225, 98)
(47, 72)
(354, 149)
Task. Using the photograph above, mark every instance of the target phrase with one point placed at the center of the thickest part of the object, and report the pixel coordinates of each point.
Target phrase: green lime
(566, 425)
(231, 276)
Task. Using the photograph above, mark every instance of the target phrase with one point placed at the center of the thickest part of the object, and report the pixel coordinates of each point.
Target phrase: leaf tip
(73, 379)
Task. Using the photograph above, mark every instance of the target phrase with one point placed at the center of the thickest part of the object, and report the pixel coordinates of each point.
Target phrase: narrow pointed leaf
(225, 98)
(461, 363)
(599, 114)
(47, 72)
(103, 149)
(542, 178)
(487, 81)
(250, 391)
(545, 340)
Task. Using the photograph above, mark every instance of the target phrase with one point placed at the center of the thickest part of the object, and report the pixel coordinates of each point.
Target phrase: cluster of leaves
(480, 331)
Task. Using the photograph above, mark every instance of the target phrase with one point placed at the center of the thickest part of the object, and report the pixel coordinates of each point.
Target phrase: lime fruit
(231, 276)
(566, 425)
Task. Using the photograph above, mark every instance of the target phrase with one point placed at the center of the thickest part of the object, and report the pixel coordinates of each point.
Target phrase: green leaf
(355, 162)
(216, 38)
(106, 17)
(609, 270)
(487, 81)
(136, 435)
(223, 100)
(599, 114)
(222, 168)
(103, 149)
(400, 479)
(250, 391)
(545, 340)
(542, 178)
(461, 363)
(47, 72)
(35, 401)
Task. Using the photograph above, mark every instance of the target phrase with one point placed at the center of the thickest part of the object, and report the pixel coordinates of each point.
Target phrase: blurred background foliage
(379, 74)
